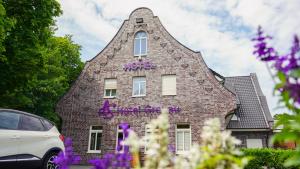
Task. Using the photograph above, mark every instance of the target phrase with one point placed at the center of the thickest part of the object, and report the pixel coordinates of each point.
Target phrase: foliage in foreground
(67, 158)
(216, 151)
(287, 79)
(270, 158)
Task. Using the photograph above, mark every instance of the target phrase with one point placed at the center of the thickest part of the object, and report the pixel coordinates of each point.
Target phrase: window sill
(139, 96)
(93, 152)
(166, 95)
(181, 152)
(110, 97)
(140, 55)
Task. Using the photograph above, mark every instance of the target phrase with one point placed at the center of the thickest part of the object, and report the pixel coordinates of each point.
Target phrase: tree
(22, 46)
(5, 25)
(62, 66)
(36, 67)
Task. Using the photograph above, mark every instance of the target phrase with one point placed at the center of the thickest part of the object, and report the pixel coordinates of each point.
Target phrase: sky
(220, 29)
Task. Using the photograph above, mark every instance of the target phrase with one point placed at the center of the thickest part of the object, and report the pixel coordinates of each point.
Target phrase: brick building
(144, 69)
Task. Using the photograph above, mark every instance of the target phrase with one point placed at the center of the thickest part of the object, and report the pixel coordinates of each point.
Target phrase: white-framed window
(95, 138)
(183, 138)
(168, 84)
(139, 86)
(120, 138)
(254, 143)
(140, 44)
(148, 131)
(110, 88)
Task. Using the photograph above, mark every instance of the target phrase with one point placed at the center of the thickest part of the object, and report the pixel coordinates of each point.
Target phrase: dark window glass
(107, 92)
(9, 120)
(99, 136)
(31, 123)
(183, 126)
(120, 135)
(93, 139)
(47, 124)
(113, 92)
(97, 127)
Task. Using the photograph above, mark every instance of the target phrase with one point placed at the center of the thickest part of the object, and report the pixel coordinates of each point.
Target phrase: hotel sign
(139, 65)
(108, 110)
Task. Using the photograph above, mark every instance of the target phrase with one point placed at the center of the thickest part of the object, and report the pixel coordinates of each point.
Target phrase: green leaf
(281, 76)
(295, 73)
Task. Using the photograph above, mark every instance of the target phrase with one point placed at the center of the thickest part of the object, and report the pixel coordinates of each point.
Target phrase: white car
(28, 141)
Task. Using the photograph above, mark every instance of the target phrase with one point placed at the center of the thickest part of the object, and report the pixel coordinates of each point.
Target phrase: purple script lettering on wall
(108, 110)
(139, 65)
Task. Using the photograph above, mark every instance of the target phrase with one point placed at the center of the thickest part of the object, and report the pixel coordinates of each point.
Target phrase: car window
(31, 123)
(47, 124)
(9, 120)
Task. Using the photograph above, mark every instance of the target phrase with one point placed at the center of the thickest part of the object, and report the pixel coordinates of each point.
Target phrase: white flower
(132, 141)
(214, 143)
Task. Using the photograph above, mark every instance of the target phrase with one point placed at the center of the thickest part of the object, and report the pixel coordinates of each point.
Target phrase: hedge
(270, 158)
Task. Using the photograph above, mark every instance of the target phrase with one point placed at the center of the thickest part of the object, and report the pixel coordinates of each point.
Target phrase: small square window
(139, 86)
(139, 20)
(110, 88)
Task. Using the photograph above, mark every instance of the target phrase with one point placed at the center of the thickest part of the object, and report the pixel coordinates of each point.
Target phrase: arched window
(140, 44)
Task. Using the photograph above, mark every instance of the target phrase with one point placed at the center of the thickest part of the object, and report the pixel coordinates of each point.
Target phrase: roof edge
(139, 9)
(258, 91)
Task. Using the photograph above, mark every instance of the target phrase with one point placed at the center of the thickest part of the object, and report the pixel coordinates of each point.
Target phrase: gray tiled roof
(252, 111)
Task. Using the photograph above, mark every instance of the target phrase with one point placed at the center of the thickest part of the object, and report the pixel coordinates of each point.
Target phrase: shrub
(270, 158)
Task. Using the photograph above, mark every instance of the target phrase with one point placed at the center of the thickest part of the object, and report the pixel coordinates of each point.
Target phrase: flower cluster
(155, 143)
(264, 52)
(216, 151)
(218, 148)
(288, 66)
(67, 158)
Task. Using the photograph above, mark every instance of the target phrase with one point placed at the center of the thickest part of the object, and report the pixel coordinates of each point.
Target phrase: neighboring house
(252, 121)
(144, 69)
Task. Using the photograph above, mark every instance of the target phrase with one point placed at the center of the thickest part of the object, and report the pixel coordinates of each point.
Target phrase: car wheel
(49, 161)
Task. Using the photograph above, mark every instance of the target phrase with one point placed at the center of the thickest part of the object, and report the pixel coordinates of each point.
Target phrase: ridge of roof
(258, 94)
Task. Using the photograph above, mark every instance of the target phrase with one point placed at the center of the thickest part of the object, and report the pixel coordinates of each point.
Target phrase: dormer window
(234, 117)
(140, 44)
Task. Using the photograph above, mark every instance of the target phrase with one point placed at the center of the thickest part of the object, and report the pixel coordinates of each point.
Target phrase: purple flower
(286, 64)
(125, 128)
(67, 158)
(171, 148)
(98, 163)
(118, 160)
(263, 52)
